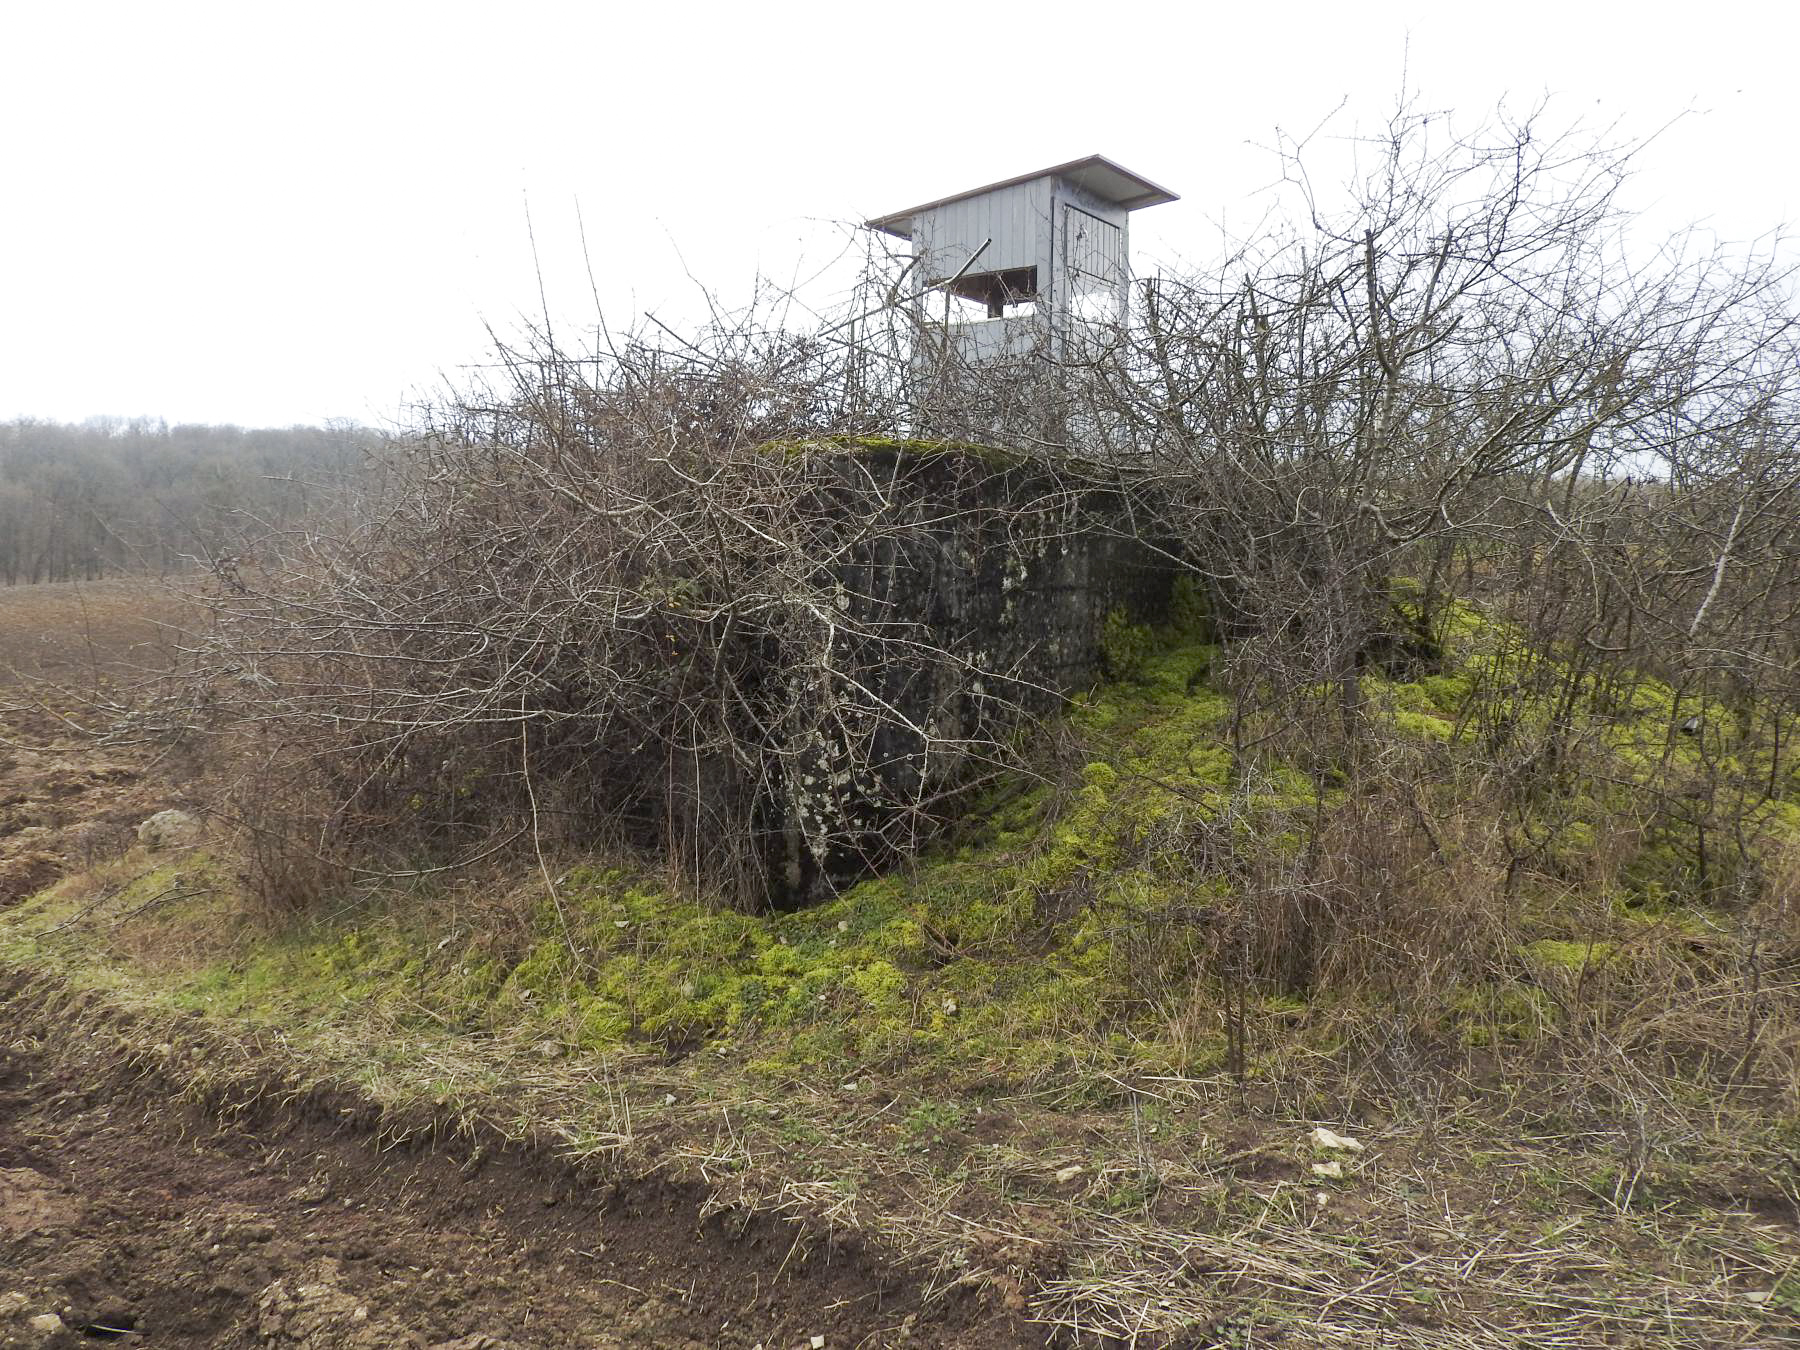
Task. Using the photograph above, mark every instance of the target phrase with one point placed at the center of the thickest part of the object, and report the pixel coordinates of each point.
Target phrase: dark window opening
(998, 290)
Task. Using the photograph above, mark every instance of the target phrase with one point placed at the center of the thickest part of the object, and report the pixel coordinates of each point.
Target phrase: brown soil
(71, 655)
(81, 634)
(64, 809)
(132, 1217)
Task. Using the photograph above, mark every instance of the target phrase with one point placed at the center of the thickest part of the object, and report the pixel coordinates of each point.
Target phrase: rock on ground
(170, 829)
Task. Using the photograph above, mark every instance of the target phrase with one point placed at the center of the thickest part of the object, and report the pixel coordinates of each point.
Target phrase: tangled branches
(680, 595)
(666, 602)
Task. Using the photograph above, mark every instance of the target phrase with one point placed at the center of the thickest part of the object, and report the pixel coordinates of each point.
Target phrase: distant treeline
(110, 497)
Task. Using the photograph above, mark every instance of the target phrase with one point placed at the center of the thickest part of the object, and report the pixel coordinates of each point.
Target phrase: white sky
(267, 214)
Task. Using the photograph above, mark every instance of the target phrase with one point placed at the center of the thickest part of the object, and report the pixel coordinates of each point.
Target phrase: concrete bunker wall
(978, 599)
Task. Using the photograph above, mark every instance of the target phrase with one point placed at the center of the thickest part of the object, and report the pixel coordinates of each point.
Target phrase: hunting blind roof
(1096, 175)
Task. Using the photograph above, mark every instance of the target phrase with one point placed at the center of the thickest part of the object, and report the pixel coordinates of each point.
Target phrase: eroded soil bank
(127, 1215)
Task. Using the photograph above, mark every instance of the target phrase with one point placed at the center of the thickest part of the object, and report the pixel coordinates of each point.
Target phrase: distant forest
(112, 497)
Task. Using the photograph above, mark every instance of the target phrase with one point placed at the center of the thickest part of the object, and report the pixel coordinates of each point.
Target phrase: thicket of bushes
(1497, 514)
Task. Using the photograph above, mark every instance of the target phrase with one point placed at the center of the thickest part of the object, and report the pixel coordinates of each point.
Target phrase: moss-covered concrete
(976, 587)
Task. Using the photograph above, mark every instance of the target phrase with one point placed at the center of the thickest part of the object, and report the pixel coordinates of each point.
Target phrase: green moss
(1448, 693)
(1189, 613)
(1559, 954)
(1071, 922)
(1425, 726)
(1492, 1014)
(1124, 645)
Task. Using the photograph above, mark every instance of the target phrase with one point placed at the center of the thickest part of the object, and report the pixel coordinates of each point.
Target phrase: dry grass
(1476, 1225)
(1564, 1203)
(1621, 1181)
(1484, 1210)
(1621, 1173)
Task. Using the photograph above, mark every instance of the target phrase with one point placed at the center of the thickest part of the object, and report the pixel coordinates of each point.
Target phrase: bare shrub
(655, 596)
(1471, 375)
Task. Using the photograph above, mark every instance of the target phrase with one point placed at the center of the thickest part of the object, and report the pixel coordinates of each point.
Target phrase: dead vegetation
(1455, 807)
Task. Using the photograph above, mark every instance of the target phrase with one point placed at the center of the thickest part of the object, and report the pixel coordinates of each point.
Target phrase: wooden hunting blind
(1020, 265)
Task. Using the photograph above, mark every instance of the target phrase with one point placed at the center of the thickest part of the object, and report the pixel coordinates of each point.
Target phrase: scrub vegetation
(1101, 1012)
(1152, 901)
(1453, 803)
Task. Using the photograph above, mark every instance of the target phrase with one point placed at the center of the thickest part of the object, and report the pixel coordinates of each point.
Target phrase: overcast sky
(269, 214)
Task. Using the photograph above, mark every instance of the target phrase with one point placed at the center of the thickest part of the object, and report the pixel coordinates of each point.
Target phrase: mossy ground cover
(1040, 938)
(1027, 1031)
(1005, 953)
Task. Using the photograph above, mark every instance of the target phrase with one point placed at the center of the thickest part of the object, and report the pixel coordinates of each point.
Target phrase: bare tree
(1465, 366)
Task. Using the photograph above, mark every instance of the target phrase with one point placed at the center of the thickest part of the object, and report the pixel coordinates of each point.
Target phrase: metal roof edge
(899, 223)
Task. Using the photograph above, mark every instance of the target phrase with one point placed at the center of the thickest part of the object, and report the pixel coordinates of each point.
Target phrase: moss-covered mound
(1164, 883)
